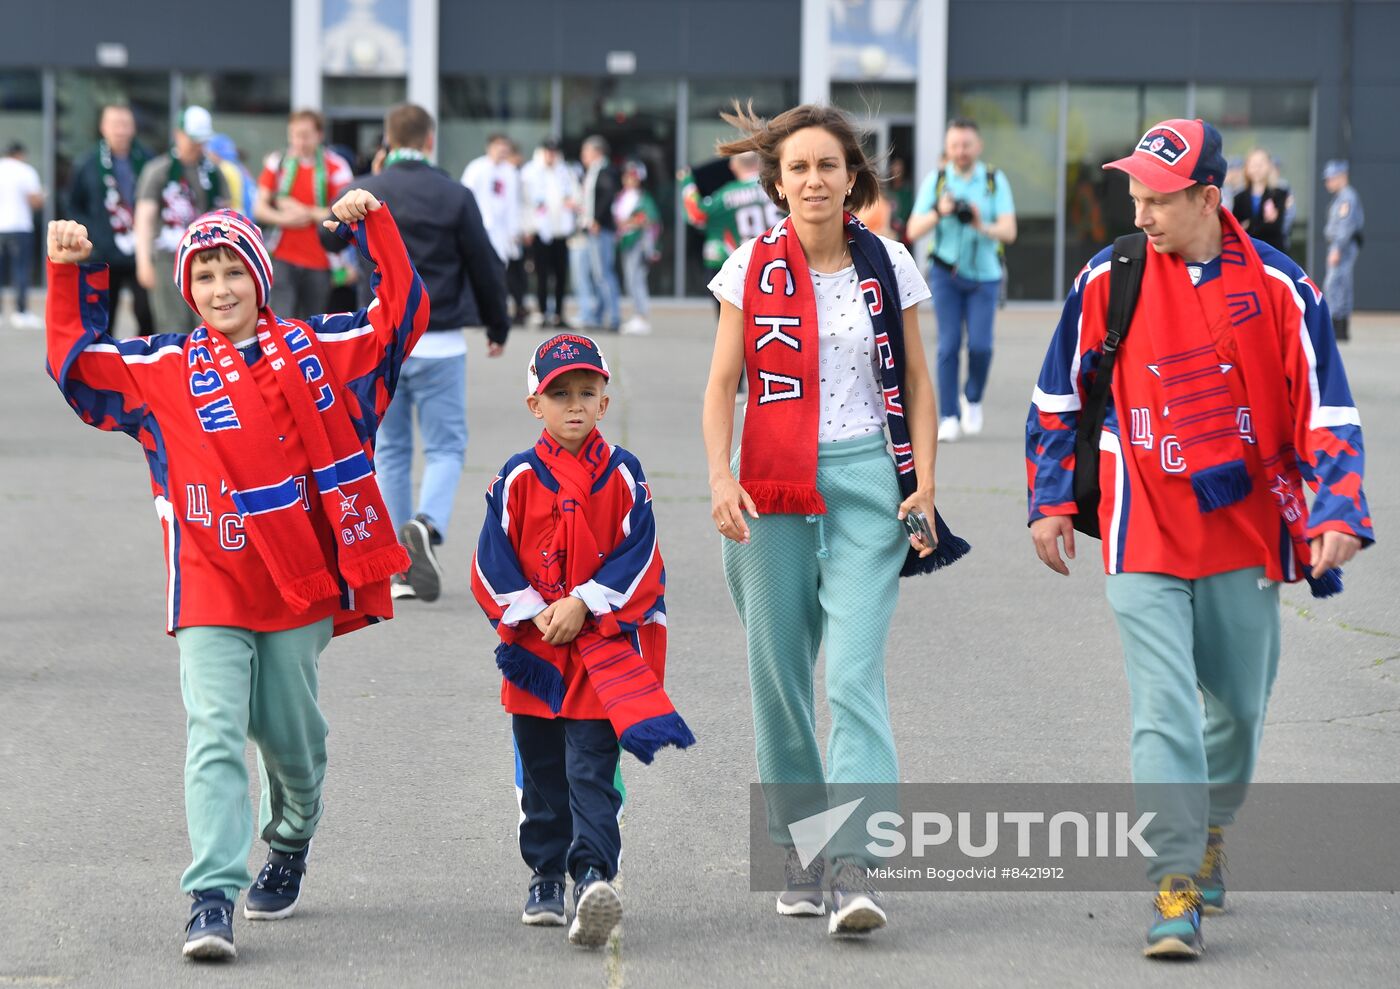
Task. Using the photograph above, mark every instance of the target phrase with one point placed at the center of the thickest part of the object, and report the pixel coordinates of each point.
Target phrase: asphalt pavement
(998, 670)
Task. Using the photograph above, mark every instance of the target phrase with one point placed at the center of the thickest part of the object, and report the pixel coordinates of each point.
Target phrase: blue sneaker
(597, 910)
(209, 931)
(278, 890)
(544, 905)
(1175, 931)
(1211, 879)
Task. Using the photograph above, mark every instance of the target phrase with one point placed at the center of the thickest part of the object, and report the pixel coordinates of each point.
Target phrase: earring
(782, 194)
(848, 191)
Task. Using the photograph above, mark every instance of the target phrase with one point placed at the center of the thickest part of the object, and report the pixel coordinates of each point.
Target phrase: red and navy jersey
(140, 387)
(1148, 514)
(515, 575)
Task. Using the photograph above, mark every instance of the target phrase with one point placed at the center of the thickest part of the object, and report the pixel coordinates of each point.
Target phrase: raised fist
(68, 242)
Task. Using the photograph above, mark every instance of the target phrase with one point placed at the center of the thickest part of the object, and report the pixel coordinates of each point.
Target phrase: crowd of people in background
(590, 228)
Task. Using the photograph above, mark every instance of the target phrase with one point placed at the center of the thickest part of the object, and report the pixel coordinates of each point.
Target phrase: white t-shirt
(18, 181)
(852, 401)
(497, 191)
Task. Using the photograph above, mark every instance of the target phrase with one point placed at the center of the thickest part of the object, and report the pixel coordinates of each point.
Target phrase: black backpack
(1124, 282)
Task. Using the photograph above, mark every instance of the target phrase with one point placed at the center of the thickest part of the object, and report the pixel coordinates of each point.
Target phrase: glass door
(637, 117)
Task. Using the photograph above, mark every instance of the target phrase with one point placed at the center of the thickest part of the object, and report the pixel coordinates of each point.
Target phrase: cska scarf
(240, 431)
(119, 210)
(778, 456)
(1200, 334)
(641, 713)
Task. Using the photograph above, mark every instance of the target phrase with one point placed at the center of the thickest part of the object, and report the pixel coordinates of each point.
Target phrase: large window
(1278, 119)
(81, 97)
(704, 130)
(250, 108)
(22, 122)
(1104, 124)
(1019, 123)
(638, 119)
(472, 108)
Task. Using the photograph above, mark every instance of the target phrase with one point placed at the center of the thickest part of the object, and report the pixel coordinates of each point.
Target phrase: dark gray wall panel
(252, 35)
(1377, 41)
(697, 38)
(1141, 40)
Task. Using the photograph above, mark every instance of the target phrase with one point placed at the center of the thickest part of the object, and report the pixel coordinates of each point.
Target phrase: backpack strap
(1124, 283)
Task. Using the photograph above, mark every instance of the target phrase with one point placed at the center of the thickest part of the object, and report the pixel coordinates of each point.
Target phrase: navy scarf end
(950, 550)
(1327, 585)
(1221, 485)
(646, 738)
(531, 674)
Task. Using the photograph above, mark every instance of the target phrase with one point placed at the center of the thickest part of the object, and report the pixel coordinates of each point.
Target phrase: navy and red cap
(1176, 154)
(560, 354)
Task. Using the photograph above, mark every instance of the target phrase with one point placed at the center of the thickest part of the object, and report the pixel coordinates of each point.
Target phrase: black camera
(962, 209)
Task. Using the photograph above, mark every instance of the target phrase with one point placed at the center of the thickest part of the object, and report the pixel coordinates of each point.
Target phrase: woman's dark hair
(766, 137)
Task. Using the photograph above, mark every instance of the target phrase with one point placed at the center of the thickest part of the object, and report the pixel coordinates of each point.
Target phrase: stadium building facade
(1058, 87)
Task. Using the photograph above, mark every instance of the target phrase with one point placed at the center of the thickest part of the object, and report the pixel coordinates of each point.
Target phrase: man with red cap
(1227, 395)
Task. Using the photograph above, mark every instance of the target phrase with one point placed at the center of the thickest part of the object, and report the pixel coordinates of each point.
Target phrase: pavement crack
(1347, 721)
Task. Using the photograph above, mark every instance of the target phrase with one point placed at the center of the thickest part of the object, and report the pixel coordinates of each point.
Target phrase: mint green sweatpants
(1201, 656)
(807, 580)
(240, 685)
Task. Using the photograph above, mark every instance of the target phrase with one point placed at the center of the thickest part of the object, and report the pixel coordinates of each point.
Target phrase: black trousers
(551, 273)
(120, 279)
(516, 286)
(569, 798)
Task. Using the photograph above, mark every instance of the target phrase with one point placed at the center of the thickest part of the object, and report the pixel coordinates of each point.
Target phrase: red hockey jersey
(514, 577)
(139, 387)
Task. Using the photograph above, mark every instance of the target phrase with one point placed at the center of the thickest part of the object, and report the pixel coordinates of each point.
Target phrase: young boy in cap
(259, 434)
(569, 572)
(1226, 398)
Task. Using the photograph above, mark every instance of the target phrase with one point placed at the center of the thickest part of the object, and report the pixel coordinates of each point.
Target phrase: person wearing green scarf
(102, 197)
(295, 191)
(174, 190)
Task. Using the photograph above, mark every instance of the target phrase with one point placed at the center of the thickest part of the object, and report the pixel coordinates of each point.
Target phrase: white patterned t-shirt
(852, 401)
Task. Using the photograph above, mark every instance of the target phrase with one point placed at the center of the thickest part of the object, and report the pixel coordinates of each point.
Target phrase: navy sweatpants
(568, 796)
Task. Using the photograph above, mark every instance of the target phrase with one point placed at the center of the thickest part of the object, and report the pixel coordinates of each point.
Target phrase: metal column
(306, 54)
(678, 238)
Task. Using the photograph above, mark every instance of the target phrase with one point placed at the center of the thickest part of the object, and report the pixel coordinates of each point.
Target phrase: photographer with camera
(968, 207)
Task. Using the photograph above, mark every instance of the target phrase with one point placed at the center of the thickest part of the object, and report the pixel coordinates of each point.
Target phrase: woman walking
(821, 522)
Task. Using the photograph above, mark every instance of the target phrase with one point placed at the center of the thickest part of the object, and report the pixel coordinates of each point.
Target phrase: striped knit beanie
(231, 229)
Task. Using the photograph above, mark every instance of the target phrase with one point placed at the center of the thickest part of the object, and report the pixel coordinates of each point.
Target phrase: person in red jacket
(259, 435)
(1228, 401)
(569, 572)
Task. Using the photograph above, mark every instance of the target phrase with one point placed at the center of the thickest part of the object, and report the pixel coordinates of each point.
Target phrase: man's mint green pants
(833, 578)
(240, 685)
(1201, 657)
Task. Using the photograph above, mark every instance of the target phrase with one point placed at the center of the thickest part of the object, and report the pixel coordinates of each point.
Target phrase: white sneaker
(400, 588)
(949, 429)
(635, 327)
(971, 417)
(28, 321)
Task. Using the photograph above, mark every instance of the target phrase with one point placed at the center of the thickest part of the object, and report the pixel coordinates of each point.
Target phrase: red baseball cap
(1175, 154)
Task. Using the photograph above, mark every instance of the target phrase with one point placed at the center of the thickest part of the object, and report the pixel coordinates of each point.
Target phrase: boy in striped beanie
(259, 435)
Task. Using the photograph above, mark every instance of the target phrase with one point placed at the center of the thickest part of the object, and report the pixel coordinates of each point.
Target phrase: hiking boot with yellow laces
(1175, 931)
(1211, 879)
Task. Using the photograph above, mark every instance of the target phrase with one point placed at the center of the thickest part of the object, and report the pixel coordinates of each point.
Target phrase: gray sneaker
(424, 572)
(803, 895)
(856, 905)
(597, 910)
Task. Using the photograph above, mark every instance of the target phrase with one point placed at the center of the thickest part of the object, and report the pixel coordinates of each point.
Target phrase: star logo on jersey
(646, 487)
(347, 507)
(1317, 292)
